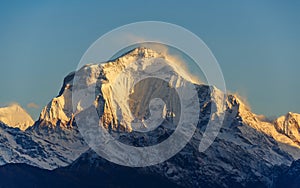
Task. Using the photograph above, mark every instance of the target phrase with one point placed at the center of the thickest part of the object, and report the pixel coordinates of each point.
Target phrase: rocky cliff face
(59, 111)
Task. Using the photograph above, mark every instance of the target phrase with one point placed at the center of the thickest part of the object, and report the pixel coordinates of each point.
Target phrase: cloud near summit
(33, 105)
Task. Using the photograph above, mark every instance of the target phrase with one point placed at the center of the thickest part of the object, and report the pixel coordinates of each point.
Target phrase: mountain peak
(141, 59)
(142, 52)
(146, 52)
(289, 125)
(15, 116)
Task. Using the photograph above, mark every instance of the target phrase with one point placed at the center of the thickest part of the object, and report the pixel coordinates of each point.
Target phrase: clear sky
(257, 44)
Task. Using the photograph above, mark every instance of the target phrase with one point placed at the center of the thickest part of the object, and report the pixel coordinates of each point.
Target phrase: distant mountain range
(249, 150)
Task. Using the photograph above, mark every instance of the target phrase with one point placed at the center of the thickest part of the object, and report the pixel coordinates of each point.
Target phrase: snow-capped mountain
(15, 116)
(289, 126)
(243, 154)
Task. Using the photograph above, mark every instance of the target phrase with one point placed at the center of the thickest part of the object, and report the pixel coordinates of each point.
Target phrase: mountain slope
(289, 176)
(23, 147)
(89, 170)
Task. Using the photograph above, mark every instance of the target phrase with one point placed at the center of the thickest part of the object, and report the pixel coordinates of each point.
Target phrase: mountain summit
(15, 116)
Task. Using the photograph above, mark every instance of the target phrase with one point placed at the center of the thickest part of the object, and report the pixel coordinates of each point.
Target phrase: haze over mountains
(248, 151)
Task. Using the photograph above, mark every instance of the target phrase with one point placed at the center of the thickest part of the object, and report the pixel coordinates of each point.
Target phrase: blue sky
(255, 42)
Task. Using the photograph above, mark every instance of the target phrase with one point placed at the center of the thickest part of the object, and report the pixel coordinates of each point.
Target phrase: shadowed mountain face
(85, 175)
(290, 176)
(247, 152)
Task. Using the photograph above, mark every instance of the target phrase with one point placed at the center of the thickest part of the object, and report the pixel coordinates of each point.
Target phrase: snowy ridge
(269, 128)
